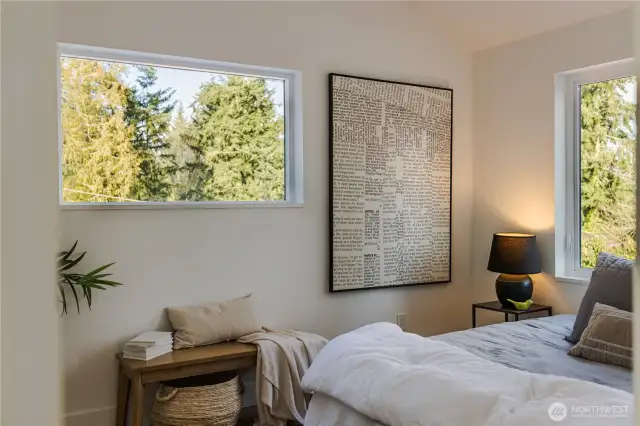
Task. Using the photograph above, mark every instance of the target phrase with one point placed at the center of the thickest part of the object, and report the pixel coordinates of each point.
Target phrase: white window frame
(567, 163)
(294, 182)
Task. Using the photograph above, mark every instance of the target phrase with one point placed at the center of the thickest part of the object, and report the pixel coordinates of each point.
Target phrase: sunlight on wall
(547, 292)
(524, 210)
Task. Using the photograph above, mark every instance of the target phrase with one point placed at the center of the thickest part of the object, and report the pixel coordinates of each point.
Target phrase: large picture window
(149, 129)
(600, 166)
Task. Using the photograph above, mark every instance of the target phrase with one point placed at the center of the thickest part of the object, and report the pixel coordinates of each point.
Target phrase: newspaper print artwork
(390, 183)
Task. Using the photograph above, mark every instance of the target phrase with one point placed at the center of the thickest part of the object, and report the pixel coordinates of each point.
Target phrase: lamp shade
(513, 253)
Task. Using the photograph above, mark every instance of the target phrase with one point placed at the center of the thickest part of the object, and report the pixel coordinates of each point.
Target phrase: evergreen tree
(191, 171)
(98, 161)
(608, 132)
(236, 137)
(149, 113)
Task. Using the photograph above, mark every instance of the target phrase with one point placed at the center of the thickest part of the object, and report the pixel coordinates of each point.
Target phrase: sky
(630, 94)
(187, 82)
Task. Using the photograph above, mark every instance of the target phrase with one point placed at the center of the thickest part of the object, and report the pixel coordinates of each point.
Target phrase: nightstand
(496, 306)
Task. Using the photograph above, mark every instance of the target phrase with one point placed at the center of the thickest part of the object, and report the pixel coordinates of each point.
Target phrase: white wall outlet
(401, 320)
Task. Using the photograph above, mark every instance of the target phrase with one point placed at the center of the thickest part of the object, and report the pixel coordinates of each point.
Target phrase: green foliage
(607, 160)
(236, 142)
(94, 280)
(148, 113)
(187, 181)
(125, 142)
(98, 161)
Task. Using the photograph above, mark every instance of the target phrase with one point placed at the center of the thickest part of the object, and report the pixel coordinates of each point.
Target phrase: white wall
(513, 152)
(179, 257)
(30, 325)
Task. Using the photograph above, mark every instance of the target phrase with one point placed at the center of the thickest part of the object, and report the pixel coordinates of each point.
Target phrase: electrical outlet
(401, 320)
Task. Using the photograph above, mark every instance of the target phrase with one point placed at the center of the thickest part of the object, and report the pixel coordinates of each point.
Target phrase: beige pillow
(607, 338)
(212, 322)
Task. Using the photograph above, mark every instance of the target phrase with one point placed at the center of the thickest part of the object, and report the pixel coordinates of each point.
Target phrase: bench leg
(473, 317)
(123, 397)
(137, 401)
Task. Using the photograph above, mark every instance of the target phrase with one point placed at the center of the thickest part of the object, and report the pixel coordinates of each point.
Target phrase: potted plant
(79, 282)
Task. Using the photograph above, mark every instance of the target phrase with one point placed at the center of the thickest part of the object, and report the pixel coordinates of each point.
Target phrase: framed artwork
(390, 182)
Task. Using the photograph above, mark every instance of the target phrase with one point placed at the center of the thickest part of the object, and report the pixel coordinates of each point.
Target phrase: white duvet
(398, 378)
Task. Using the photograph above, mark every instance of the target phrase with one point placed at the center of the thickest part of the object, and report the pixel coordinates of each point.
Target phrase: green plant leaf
(67, 254)
(72, 263)
(92, 285)
(97, 270)
(87, 295)
(63, 298)
(108, 283)
(86, 282)
(72, 275)
(75, 295)
(102, 275)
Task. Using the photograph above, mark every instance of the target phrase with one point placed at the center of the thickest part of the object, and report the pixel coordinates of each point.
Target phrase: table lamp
(514, 256)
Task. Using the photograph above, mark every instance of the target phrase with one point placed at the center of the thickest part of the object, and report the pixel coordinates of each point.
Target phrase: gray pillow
(610, 285)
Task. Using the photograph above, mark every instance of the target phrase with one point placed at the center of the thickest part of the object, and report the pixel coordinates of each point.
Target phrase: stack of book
(148, 345)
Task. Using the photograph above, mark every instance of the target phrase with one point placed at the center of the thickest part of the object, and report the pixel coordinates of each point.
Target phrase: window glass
(607, 169)
(136, 133)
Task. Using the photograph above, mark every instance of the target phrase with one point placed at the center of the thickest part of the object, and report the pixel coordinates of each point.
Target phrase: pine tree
(236, 137)
(149, 112)
(121, 143)
(191, 172)
(608, 132)
(98, 161)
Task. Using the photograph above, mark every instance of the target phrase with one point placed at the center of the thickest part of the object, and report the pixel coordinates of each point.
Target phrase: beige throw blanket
(283, 359)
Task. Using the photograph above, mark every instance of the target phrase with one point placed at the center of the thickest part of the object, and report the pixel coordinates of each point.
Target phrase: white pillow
(212, 322)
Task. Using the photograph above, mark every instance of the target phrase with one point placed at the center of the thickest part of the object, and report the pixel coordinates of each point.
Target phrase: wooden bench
(134, 375)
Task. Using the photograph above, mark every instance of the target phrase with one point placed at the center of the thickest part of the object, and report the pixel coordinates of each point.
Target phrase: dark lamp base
(518, 288)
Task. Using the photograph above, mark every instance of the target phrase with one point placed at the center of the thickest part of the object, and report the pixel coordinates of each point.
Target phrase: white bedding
(400, 379)
(326, 411)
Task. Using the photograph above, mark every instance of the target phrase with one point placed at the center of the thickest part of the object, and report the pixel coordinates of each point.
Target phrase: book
(151, 338)
(144, 350)
(146, 345)
(146, 354)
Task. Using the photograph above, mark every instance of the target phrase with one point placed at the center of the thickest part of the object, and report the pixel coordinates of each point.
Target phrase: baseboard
(106, 416)
(97, 417)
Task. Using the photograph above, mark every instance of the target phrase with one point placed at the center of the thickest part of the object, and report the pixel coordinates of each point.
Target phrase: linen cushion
(212, 322)
(607, 338)
(610, 285)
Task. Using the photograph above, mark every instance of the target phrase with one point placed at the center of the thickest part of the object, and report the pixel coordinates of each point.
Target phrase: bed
(538, 346)
(535, 345)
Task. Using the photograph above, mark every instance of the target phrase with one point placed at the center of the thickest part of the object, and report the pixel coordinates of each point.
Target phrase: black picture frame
(332, 289)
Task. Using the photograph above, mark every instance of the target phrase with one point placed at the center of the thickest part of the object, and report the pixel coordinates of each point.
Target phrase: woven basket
(211, 405)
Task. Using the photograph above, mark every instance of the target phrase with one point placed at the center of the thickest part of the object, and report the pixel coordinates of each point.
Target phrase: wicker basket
(210, 405)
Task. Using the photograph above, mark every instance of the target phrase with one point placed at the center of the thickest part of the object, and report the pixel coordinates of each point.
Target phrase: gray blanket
(538, 346)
